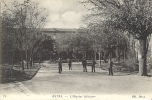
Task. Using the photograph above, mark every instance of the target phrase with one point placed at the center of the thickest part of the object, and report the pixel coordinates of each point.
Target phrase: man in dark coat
(70, 64)
(93, 65)
(84, 63)
(60, 65)
(110, 67)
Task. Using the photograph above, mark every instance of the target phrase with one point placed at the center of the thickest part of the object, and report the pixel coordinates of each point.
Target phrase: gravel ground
(75, 83)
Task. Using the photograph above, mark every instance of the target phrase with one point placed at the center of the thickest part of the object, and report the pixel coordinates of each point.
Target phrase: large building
(59, 35)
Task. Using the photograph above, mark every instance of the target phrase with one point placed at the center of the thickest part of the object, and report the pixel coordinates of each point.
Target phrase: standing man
(110, 67)
(70, 63)
(93, 65)
(60, 65)
(84, 63)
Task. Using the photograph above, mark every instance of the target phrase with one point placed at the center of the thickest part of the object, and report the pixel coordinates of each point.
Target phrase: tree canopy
(133, 16)
(21, 27)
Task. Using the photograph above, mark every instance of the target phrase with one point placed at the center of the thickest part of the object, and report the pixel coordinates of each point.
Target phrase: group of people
(60, 65)
(84, 63)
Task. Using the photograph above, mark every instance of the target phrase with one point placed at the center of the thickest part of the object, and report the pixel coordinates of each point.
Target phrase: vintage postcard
(76, 50)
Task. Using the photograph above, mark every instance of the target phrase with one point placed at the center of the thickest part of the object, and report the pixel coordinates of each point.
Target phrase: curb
(34, 74)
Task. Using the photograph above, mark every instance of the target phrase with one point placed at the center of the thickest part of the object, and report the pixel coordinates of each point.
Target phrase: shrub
(130, 64)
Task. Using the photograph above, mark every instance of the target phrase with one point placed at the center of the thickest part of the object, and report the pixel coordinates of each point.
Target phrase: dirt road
(76, 83)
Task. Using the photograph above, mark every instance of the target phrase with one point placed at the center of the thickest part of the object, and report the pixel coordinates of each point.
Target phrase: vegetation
(22, 38)
(131, 16)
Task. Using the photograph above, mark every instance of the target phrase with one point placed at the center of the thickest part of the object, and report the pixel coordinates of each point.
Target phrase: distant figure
(60, 65)
(84, 63)
(110, 67)
(93, 65)
(70, 64)
(30, 62)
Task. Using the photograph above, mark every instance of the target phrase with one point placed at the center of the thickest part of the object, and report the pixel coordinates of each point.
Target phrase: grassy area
(12, 74)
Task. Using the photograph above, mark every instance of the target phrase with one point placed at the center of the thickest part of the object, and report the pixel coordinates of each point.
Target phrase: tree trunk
(136, 56)
(27, 59)
(99, 57)
(143, 57)
(92, 54)
(95, 55)
(31, 60)
(124, 52)
(12, 58)
(118, 54)
(83, 54)
(12, 64)
(39, 59)
(22, 60)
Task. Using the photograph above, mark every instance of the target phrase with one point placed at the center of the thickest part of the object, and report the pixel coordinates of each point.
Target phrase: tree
(134, 16)
(79, 43)
(25, 19)
(107, 39)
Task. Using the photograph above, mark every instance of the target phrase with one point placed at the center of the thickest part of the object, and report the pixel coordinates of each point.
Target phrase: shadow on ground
(14, 75)
(102, 73)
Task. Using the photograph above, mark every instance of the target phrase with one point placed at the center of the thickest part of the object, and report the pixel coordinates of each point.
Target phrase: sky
(63, 13)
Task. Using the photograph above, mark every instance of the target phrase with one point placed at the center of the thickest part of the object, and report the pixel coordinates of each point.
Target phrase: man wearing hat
(84, 63)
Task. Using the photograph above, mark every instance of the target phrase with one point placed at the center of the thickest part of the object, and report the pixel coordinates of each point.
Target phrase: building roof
(59, 30)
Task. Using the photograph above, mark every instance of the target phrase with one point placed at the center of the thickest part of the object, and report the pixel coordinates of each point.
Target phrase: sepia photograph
(76, 49)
